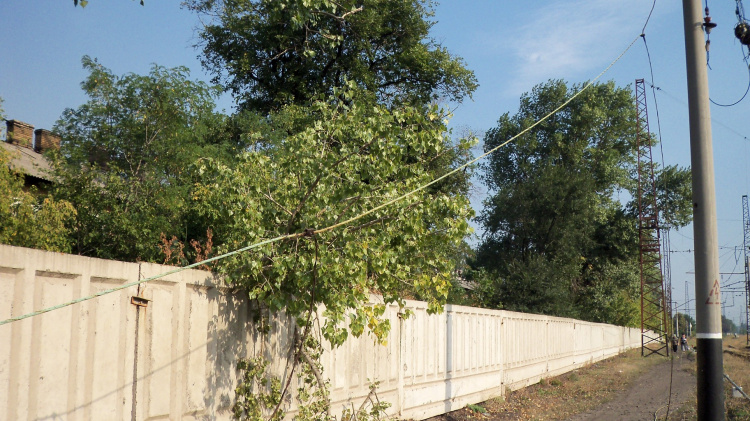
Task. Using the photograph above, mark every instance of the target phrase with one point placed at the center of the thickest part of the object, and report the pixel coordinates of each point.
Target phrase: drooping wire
(648, 18)
(666, 242)
(713, 120)
(740, 12)
(667, 264)
(653, 93)
(312, 232)
(743, 95)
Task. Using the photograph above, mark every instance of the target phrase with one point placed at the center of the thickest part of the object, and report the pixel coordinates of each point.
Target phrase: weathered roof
(26, 161)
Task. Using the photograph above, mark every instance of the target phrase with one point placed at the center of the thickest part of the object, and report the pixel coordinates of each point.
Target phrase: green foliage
(674, 196)
(682, 323)
(476, 408)
(346, 159)
(28, 218)
(258, 395)
(269, 53)
(728, 326)
(257, 392)
(613, 295)
(377, 408)
(313, 392)
(558, 239)
(124, 158)
(738, 413)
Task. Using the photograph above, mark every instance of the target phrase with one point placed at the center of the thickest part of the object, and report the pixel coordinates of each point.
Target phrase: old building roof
(27, 161)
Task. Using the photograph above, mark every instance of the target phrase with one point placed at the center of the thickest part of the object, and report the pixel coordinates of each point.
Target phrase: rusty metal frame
(654, 304)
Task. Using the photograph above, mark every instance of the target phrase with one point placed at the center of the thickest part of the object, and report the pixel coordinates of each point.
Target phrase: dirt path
(648, 394)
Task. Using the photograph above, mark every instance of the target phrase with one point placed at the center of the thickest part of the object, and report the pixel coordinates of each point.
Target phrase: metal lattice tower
(654, 326)
(666, 266)
(746, 247)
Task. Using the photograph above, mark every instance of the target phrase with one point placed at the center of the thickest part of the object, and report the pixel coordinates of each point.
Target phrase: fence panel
(72, 363)
(176, 357)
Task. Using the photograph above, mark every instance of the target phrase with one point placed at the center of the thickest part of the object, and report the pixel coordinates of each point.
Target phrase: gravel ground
(648, 394)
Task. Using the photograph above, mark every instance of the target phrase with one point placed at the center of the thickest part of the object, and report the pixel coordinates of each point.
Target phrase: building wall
(176, 358)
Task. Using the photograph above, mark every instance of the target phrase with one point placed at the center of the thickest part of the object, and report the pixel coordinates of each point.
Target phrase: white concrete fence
(108, 359)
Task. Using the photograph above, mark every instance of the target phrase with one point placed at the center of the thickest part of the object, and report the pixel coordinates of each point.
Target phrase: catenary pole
(707, 287)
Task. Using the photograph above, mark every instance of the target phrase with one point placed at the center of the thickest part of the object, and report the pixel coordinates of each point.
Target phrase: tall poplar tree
(560, 225)
(269, 53)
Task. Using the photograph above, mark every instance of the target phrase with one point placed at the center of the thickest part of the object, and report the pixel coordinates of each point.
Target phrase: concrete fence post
(547, 345)
(501, 358)
(401, 361)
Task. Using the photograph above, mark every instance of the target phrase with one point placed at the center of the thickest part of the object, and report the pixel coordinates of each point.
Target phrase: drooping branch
(318, 376)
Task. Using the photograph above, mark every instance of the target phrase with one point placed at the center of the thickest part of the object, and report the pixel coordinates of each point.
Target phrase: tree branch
(268, 195)
(342, 17)
(317, 180)
(318, 376)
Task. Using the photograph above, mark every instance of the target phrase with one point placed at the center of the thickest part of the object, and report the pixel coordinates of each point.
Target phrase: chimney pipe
(19, 133)
(45, 140)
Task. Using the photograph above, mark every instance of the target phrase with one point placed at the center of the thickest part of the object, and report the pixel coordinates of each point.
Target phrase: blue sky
(511, 46)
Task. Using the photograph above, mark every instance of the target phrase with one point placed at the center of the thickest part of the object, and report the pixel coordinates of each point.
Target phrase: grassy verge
(559, 398)
(737, 367)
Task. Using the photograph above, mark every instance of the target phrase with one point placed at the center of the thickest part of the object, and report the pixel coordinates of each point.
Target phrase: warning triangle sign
(714, 296)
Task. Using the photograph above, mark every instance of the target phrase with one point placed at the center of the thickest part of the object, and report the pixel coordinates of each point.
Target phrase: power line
(743, 95)
(668, 255)
(312, 232)
(653, 92)
(683, 102)
(746, 90)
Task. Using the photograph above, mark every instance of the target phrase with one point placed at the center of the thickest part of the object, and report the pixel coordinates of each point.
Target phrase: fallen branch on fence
(318, 376)
(367, 398)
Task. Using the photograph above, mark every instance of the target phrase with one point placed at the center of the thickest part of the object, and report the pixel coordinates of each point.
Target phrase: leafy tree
(274, 52)
(727, 325)
(124, 158)
(349, 160)
(29, 219)
(674, 196)
(558, 238)
(682, 323)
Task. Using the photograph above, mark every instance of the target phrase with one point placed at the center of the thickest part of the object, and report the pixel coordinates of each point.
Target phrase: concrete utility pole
(707, 286)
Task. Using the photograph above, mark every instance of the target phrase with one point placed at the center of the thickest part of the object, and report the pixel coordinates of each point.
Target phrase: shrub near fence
(175, 355)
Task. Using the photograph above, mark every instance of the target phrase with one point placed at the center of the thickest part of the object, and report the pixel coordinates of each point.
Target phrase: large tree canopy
(347, 161)
(559, 239)
(335, 119)
(274, 52)
(124, 156)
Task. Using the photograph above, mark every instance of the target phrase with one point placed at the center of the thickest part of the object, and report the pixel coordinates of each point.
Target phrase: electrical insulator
(707, 24)
(742, 32)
